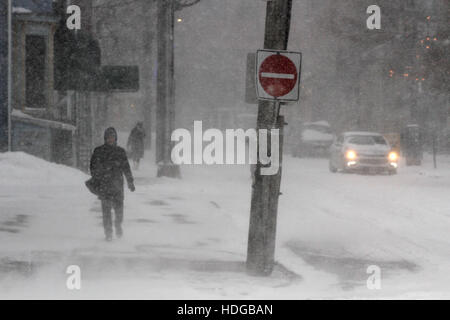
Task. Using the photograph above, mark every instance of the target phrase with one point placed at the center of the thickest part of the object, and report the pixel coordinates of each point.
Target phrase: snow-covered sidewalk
(181, 240)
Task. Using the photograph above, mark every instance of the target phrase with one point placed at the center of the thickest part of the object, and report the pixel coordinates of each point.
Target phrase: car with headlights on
(362, 151)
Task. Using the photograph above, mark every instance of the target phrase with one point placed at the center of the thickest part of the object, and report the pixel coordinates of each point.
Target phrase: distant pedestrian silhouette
(135, 144)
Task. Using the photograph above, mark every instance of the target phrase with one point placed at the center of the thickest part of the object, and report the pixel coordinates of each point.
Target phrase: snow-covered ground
(186, 239)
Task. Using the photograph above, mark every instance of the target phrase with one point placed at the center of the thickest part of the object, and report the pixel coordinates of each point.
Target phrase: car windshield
(379, 140)
(367, 140)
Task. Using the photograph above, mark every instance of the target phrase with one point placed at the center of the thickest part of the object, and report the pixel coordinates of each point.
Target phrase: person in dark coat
(109, 163)
(135, 144)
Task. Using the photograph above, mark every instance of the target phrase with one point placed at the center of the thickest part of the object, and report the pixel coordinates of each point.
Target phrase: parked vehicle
(315, 140)
(362, 151)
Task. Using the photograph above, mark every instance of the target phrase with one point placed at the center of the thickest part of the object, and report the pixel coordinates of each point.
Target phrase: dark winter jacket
(136, 143)
(109, 164)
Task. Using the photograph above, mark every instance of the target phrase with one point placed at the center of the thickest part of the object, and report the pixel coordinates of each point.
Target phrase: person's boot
(108, 237)
(119, 232)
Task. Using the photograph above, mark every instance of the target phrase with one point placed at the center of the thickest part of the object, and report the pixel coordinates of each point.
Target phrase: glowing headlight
(393, 156)
(350, 155)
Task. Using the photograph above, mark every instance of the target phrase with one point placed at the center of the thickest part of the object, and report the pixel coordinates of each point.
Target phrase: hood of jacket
(110, 132)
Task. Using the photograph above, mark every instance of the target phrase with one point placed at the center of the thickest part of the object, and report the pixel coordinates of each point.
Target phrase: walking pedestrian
(135, 144)
(109, 163)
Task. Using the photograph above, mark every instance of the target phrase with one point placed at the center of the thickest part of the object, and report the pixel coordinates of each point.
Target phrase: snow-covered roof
(313, 135)
(32, 6)
(19, 115)
(20, 10)
(319, 123)
(361, 133)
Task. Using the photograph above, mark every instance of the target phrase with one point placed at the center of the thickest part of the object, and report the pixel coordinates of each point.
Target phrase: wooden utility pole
(165, 109)
(147, 72)
(5, 75)
(266, 188)
(4, 112)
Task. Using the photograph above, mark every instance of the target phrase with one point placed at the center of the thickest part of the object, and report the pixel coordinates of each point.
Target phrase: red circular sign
(277, 75)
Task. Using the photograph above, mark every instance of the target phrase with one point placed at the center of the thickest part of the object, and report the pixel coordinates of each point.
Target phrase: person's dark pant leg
(107, 219)
(118, 210)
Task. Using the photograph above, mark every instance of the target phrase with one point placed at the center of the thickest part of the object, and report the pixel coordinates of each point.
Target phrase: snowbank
(19, 168)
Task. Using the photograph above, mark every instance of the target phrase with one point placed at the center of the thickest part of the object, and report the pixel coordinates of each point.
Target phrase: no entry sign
(278, 75)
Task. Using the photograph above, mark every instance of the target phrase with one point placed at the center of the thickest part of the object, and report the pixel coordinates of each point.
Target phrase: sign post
(275, 78)
(250, 83)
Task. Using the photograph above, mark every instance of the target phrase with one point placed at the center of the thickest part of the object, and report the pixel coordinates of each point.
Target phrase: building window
(35, 51)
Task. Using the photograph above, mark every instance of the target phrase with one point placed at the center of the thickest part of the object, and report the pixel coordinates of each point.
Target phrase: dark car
(315, 139)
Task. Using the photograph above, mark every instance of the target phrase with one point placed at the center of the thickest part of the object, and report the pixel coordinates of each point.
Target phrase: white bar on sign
(277, 75)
